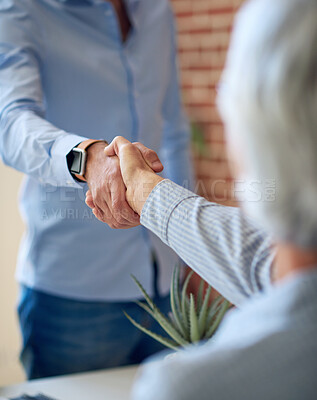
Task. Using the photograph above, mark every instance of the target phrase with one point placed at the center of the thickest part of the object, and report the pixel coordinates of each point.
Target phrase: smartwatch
(77, 158)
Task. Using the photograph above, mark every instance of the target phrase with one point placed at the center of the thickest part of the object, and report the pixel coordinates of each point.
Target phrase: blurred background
(204, 28)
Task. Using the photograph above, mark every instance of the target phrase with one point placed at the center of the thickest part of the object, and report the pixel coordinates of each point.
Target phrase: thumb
(113, 149)
(150, 157)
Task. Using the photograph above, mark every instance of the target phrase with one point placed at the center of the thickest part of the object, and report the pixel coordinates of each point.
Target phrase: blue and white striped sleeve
(222, 245)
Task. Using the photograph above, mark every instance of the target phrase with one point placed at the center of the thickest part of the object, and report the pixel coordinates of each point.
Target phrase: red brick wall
(204, 28)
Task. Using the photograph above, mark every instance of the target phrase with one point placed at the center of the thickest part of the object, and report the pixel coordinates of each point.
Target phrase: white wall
(11, 229)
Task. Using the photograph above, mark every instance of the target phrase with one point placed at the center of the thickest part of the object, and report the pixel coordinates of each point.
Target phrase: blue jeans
(63, 336)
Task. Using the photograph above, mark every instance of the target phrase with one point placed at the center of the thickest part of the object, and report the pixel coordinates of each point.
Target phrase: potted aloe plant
(192, 318)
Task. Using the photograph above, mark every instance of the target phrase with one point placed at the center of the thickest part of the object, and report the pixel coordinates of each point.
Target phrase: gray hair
(268, 100)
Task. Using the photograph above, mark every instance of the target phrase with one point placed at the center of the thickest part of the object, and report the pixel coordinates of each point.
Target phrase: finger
(125, 150)
(97, 214)
(115, 211)
(100, 216)
(125, 216)
(113, 148)
(121, 211)
(89, 200)
(150, 156)
(103, 213)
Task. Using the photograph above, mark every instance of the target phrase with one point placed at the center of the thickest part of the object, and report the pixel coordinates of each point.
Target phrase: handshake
(120, 177)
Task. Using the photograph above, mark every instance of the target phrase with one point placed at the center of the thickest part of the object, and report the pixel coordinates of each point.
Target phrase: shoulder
(11, 6)
(18, 22)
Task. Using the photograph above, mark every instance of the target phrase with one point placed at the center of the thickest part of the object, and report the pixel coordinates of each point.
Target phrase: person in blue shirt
(263, 257)
(73, 75)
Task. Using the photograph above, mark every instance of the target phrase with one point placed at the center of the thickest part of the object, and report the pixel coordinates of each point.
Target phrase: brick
(212, 60)
(218, 190)
(184, 6)
(199, 95)
(209, 5)
(198, 78)
(218, 151)
(204, 41)
(205, 22)
(204, 114)
(212, 169)
(214, 133)
(199, 6)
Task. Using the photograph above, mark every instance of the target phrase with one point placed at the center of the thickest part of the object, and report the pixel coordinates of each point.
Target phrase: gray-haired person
(264, 260)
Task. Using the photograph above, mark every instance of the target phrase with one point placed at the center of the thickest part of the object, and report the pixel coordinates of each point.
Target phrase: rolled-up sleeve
(28, 142)
(218, 242)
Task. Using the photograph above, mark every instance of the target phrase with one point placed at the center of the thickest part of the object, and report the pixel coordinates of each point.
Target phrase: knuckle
(113, 224)
(119, 217)
(118, 138)
(116, 225)
(122, 221)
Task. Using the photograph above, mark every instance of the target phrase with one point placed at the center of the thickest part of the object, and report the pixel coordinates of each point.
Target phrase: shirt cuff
(161, 204)
(59, 151)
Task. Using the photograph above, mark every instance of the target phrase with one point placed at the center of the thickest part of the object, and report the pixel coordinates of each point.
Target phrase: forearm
(28, 142)
(219, 243)
(35, 147)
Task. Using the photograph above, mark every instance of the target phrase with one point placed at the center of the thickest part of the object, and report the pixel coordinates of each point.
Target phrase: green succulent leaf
(190, 319)
(175, 302)
(145, 308)
(172, 320)
(161, 319)
(169, 328)
(200, 294)
(213, 309)
(202, 318)
(185, 304)
(146, 296)
(194, 328)
(223, 309)
(164, 341)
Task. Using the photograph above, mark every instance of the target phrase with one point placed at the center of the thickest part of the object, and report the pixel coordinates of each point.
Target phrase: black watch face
(76, 166)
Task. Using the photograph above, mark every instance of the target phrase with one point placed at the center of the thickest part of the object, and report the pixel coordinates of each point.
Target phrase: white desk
(112, 384)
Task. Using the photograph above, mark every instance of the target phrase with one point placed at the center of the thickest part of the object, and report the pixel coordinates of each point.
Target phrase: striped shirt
(264, 349)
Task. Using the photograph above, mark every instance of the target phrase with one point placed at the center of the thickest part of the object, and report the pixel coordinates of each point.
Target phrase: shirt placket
(123, 48)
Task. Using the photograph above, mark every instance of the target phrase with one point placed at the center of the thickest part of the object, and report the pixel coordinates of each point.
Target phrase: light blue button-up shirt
(66, 76)
(266, 349)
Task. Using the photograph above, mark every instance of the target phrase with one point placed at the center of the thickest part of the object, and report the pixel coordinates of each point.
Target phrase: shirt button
(107, 13)
(136, 94)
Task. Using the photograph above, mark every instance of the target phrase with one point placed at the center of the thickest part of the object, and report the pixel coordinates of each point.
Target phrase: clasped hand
(120, 180)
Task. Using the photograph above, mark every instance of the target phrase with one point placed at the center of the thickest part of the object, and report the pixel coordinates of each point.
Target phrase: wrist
(140, 188)
(95, 156)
